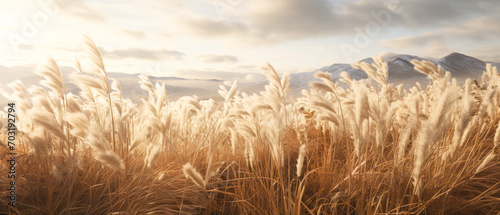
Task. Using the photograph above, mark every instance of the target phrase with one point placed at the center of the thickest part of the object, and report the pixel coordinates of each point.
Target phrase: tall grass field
(369, 148)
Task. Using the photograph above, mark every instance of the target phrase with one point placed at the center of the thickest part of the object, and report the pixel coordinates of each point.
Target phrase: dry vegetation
(371, 148)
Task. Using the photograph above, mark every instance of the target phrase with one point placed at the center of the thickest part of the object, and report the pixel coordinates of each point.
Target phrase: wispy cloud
(432, 43)
(84, 12)
(134, 33)
(482, 28)
(214, 74)
(204, 27)
(144, 54)
(214, 58)
(413, 41)
(264, 22)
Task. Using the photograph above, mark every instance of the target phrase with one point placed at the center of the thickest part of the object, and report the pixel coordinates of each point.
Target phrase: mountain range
(401, 70)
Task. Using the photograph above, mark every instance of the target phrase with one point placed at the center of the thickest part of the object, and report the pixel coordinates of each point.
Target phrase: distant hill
(176, 87)
(401, 70)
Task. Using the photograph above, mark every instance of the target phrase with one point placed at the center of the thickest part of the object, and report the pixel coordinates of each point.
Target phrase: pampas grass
(367, 148)
(300, 160)
(191, 173)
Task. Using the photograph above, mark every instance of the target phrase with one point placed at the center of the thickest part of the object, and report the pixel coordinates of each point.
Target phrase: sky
(232, 39)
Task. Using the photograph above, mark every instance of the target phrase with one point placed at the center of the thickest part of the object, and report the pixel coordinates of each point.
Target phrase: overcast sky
(232, 39)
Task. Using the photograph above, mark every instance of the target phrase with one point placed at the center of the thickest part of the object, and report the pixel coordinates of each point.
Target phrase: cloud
(433, 44)
(163, 4)
(423, 13)
(481, 28)
(144, 54)
(264, 22)
(490, 53)
(437, 49)
(413, 41)
(479, 32)
(204, 27)
(214, 58)
(83, 11)
(214, 74)
(134, 33)
(26, 47)
(293, 18)
(10, 74)
(267, 22)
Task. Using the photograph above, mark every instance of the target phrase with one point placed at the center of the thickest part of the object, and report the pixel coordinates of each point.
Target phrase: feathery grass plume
(428, 134)
(79, 122)
(161, 95)
(118, 103)
(99, 71)
(195, 176)
(320, 86)
(271, 74)
(382, 69)
(404, 137)
(41, 99)
(486, 101)
(285, 84)
(96, 139)
(86, 81)
(329, 113)
(300, 159)
(4, 92)
(274, 138)
(436, 74)
(245, 130)
(53, 77)
(94, 55)
(485, 162)
(152, 154)
(111, 159)
(73, 103)
(234, 140)
(346, 78)
(19, 96)
(382, 111)
(327, 83)
(428, 68)
(48, 122)
(102, 148)
(496, 138)
(277, 90)
(227, 95)
(360, 115)
(117, 96)
(210, 156)
(136, 142)
(146, 84)
(490, 76)
(465, 116)
(249, 154)
(257, 108)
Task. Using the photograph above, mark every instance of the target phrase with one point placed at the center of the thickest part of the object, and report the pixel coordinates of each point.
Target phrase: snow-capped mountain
(400, 69)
